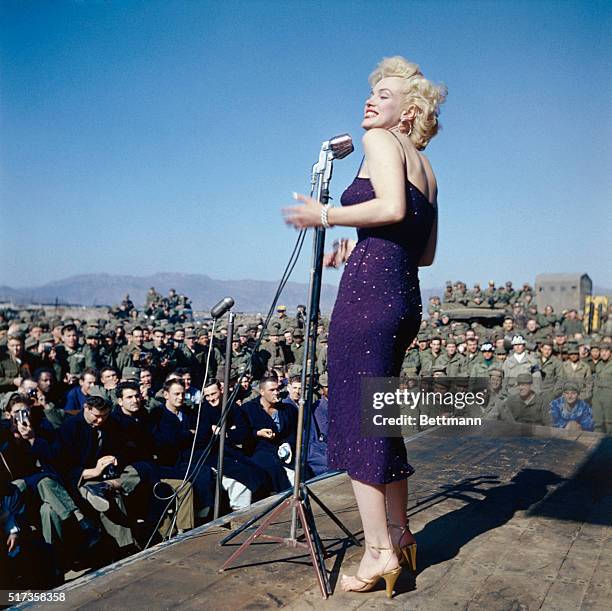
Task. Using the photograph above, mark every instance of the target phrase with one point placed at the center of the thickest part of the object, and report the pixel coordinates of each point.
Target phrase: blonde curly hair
(419, 93)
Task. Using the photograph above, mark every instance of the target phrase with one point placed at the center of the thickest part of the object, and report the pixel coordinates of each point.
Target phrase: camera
(32, 392)
(110, 472)
(23, 417)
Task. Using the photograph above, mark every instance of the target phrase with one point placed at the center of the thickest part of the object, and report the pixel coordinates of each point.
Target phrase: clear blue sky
(139, 137)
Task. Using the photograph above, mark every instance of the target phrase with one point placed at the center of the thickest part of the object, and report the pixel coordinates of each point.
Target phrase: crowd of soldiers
(100, 419)
(101, 423)
(543, 367)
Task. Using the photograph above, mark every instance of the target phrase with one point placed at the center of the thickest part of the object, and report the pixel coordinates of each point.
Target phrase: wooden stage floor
(506, 517)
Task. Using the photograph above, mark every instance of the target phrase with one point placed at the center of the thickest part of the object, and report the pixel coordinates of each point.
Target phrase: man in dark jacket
(267, 429)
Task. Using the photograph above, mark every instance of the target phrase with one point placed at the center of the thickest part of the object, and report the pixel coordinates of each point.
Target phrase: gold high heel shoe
(390, 577)
(406, 554)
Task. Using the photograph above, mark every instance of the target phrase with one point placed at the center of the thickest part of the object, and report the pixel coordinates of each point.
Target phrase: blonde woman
(393, 204)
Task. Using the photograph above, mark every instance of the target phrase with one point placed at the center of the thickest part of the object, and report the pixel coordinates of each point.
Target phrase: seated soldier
(20, 550)
(27, 456)
(242, 478)
(568, 412)
(527, 406)
(136, 425)
(267, 429)
(76, 397)
(173, 430)
(92, 455)
(317, 446)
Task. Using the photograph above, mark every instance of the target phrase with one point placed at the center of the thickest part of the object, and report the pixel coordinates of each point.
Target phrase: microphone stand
(298, 498)
(226, 381)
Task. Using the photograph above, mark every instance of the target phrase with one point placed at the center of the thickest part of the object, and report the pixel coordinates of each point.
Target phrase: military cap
(438, 369)
(559, 331)
(324, 337)
(605, 346)
(281, 308)
(20, 335)
(496, 371)
(323, 380)
(509, 317)
(517, 340)
(572, 348)
(92, 334)
(298, 333)
(500, 350)
(242, 332)
(487, 347)
(524, 378)
(295, 370)
(169, 328)
(46, 338)
(422, 337)
(191, 334)
(491, 282)
(547, 341)
(595, 344)
(30, 343)
(203, 333)
(130, 373)
(236, 337)
(509, 283)
(569, 385)
(252, 327)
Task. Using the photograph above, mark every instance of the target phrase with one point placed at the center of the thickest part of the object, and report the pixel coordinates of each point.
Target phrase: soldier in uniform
(594, 356)
(526, 406)
(448, 296)
(134, 354)
(571, 324)
(271, 352)
(451, 359)
(297, 346)
(411, 362)
(16, 364)
(602, 392)
(579, 372)
(520, 362)
(551, 371)
(480, 366)
(548, 319)
(70, 361)
(490, 294)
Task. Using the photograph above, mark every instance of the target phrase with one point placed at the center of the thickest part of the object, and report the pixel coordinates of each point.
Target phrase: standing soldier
(297, 347)
(520, 362)
(548, 319)
(551, 371)
(451, 359)
(602, 392)
(480, 366)
(578, 371)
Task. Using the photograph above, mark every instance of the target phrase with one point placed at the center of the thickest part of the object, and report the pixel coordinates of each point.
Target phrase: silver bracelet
(324, 213)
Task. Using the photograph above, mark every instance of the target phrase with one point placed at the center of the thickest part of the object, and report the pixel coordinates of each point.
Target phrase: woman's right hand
(342, 251)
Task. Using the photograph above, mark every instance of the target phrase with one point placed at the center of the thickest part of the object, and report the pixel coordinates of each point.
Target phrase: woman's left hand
(306, 215)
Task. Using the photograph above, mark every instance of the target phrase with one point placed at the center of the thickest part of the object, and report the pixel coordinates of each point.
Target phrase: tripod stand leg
(283, 505)
(317, 560)
(252, 521)
(333, 518)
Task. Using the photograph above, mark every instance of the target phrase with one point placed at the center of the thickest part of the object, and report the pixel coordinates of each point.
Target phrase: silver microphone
(341, 146)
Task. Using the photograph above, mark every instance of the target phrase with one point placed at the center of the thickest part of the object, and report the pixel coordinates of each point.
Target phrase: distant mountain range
(108, 289)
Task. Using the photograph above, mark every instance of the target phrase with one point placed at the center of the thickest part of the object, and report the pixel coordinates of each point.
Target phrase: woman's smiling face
(383, 108)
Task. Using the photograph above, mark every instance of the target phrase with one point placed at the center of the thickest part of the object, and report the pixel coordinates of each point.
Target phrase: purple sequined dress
(376, 316)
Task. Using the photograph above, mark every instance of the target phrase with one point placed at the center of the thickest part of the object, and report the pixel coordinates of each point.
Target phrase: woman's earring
(403, 122)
